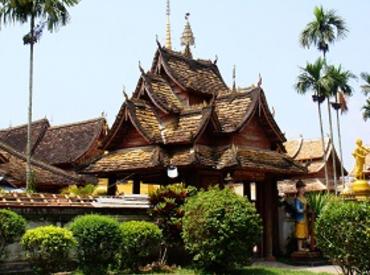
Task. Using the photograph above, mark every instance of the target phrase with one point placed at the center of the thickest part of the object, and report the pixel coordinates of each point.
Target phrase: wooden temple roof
(69, 143)
(287, 187)
(174, 105)
(16, 137)
(58, 145)
(13, 169)
(310, 153)
(197, 75)
(218, 158)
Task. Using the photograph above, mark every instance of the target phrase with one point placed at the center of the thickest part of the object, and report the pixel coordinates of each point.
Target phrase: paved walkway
(332, 269)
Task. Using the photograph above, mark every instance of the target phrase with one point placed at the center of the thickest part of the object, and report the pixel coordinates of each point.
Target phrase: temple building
(310, 154)
(56, 150)
(184, 124)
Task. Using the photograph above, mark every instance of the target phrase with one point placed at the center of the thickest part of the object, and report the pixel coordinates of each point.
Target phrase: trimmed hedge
(99, 240)
(140, 240)
(220, 229)
(343, 235)
(12, 227)
(48, 248)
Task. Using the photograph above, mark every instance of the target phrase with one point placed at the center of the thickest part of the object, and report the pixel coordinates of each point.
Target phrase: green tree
(312, 78)
(326, 28)
(366, 90)
(53, 14)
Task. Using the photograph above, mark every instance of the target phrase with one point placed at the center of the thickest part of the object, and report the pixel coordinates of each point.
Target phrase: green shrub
(99, 239)
(12, 227)
(48, 248)
(220, 229)
(139, 240)
(343, 235)
(318, 201)
(167, 209)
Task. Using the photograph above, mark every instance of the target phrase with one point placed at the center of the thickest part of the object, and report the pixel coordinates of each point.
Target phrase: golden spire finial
(168, 43)
(187, 38)
(234, 77)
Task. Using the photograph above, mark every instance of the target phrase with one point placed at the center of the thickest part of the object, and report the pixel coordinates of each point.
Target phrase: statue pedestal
(361, 189)
(312, 258)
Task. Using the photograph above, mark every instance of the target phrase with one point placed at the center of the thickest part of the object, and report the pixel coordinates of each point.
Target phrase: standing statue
(301, 221)
(359, 188)
(359, 154)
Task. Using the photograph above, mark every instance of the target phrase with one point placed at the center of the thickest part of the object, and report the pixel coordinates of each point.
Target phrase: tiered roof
(172, 107)
(217, 158)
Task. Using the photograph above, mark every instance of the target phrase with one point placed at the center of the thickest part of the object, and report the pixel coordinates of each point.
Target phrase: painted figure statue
(359, 154)
(301, 221)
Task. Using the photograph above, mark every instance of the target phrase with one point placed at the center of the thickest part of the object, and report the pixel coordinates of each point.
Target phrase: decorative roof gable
(200, 76)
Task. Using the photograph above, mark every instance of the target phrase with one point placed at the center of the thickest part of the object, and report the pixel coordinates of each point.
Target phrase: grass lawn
(258, 270)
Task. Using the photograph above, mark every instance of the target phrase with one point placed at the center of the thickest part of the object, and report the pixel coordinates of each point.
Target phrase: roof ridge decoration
(187, 38)
(168, 26)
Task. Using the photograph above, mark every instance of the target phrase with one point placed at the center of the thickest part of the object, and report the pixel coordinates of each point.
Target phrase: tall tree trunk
(340, 144)
(323, 144)
(333, 147)
(29, 126)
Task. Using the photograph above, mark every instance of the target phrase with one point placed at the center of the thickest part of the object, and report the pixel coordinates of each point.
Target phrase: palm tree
(312, 78)
(325, 29)
(366, 90)
(339, 88)
(52, 13)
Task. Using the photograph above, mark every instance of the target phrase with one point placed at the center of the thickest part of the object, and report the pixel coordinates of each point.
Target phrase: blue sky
(80, 70)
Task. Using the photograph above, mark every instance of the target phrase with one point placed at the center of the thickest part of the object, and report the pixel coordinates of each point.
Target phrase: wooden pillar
(136, 186)
(112, 186)
(260, 209)
(247, 190)
(269, 214)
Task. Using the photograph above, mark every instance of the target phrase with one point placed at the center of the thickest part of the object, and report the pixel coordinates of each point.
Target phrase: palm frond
(365, 87)
(366, 110)
(325, 28)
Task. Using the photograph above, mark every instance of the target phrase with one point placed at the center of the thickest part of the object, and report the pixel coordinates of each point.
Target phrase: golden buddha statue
(359, 154)
(360, 186)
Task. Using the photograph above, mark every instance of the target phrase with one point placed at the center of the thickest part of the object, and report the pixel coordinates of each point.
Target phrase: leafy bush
(12, 227)
(99, 239)
(48, 248)
(139, 240)
(318, 201)
(220, 229)
(167, 209)
(343, 234)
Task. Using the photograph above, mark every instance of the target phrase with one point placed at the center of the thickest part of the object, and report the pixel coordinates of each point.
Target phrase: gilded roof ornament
(168, 43)
(187, 38)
